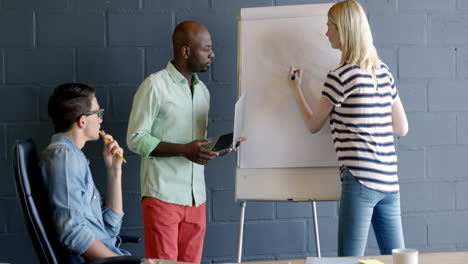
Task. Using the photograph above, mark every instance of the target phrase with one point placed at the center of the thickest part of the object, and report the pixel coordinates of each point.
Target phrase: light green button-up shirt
(164, 110)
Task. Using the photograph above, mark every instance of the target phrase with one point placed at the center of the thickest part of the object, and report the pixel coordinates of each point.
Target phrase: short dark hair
(67, 103)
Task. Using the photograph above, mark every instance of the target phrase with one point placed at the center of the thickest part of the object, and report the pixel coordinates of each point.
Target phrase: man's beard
(195, 67)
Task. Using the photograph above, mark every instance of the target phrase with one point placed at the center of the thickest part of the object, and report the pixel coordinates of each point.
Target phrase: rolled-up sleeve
(72, 230)
(112, 220)
(66, 189)
(144, 110)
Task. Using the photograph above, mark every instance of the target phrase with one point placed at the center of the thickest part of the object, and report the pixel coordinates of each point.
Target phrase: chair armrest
(119, 260)
(130, 239)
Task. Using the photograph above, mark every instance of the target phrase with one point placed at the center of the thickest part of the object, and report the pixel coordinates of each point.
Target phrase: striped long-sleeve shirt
(361, 124)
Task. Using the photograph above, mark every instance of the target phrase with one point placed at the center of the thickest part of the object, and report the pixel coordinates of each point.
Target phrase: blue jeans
(359, 207)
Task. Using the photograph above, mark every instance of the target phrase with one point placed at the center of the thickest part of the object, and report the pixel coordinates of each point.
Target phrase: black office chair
(36, 209)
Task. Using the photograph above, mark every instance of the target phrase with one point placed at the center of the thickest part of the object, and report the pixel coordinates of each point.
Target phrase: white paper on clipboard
(239, 118)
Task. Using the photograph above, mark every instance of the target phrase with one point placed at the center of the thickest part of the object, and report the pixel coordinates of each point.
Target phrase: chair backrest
(35, 203)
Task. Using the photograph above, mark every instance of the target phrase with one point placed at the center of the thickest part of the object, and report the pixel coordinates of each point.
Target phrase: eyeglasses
(99, 113)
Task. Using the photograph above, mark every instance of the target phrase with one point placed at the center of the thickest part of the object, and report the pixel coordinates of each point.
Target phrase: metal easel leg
(316, 230)
(240, 237)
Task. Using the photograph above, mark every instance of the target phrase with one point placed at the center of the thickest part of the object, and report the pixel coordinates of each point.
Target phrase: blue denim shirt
(80, 215)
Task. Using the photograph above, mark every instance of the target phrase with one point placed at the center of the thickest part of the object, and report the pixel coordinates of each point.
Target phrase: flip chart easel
(289, 185)
(281, 160)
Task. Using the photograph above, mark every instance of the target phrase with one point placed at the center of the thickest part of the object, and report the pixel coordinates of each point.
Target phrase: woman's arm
(400, 123)
(314, 120)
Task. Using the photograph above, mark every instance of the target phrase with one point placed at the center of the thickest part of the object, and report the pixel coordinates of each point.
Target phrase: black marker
(294, 75)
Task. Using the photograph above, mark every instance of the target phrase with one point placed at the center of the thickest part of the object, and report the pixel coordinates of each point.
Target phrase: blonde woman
(361, 101)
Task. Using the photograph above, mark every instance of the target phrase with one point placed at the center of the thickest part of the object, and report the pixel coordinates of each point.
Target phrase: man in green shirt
(167, 127)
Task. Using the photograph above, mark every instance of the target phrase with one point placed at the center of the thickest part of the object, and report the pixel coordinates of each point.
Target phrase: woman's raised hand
(295, 75)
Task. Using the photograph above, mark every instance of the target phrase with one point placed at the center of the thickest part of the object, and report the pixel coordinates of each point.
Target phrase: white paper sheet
(276, 134)
(239, 118)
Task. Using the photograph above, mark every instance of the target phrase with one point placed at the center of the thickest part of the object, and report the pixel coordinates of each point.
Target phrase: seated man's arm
(114, 174)
(112, 209)
(98, 250)
(67, 192)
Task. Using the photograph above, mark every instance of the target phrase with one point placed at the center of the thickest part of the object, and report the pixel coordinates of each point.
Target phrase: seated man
(87, 226)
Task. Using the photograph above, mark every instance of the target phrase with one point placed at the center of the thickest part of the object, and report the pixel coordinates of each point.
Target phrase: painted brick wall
(113, 44)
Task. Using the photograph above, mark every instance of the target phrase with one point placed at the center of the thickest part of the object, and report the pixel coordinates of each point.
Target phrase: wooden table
(424, 258)
(163, 261)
